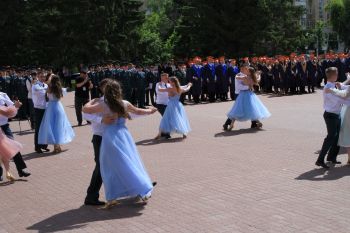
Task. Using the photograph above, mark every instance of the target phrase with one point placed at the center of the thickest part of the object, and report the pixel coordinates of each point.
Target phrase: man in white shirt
(98, 125)
(39, 100)
(18, 160)
(30, 81)
(162, 98)
(332, 107)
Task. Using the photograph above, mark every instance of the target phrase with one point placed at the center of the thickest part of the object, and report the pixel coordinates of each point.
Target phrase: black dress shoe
(225, 127)
(23, 173)
(46, 150)
(167, 136)
(334, 162)
(154, 183)
(321, 164)
(94, 203)
(39, 151)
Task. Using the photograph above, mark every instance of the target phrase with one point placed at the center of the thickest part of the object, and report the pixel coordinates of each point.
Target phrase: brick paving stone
(215, 181)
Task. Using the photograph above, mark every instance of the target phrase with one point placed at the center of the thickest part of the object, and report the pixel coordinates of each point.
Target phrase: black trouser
(39, 114)
(141, 97)
(229, 121)
(182, 98)
(134, 96)
(96, 179)
(233, 95)
(31, 113)
(330, 143)
(17, 159)
(149, 95)
(196, 98)
(161, 108)
(212, 98)
(79, 103)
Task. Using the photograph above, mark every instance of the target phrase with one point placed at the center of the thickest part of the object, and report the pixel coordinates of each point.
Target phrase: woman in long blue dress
(174, 119)
(247, 106)
(122, 170)
(55, 128)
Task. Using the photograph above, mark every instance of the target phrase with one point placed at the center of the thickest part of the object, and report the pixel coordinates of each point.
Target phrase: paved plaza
(214, 181)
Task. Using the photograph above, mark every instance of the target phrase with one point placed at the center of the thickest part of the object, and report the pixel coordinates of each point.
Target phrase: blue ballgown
(175, 119)
(55, 128)
(248, 107)
(122, 170)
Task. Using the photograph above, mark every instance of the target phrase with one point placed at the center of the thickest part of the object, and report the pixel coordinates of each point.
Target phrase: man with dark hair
(209, 79)
(195, 77)
(162, 97)
(82, 93)
(97, 120)
(39, 101)
(231, 74)
(222, 80)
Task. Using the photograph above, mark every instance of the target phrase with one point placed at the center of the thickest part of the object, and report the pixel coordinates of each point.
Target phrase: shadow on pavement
(237, 132)
(6, 183)
(35, 155)
(334, 173)
(24, 132)
(342, 151)
(150, 142)
(78, 218)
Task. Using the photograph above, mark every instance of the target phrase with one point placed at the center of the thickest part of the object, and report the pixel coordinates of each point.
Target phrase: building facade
(315, 10)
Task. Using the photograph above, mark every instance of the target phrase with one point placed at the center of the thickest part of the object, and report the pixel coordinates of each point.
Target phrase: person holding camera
(82, 93)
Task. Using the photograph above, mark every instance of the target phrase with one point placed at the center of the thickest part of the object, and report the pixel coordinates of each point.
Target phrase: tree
(64, 32)
(340, 18)
(237, 28)
(157, 34)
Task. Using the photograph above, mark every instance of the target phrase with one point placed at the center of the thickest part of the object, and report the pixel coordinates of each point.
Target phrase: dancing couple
(118, 163)
(8, 146)
(54, 127)
(247, 106)
(336, 102)
(174, 118)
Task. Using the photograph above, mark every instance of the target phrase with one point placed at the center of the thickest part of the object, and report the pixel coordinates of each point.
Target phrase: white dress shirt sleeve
(6, 99)
(93, 118)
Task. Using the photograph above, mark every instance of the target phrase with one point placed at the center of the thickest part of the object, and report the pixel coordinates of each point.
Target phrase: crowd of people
(107, 97)
(212, 79)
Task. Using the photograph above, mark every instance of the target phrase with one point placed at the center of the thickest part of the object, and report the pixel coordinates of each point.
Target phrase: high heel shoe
(10, 177)
(57, 149)
(141, 200)
(109, 205)
(230, 127)
(259, 125)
